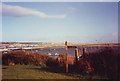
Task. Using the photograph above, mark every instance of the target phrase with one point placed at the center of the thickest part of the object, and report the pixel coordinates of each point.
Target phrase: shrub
(103, 63)
(51, 62)
(27, 58)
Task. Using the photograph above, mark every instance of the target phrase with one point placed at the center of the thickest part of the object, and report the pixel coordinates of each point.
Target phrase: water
(71, 51)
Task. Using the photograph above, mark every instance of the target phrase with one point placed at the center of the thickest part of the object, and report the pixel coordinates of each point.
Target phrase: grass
(37, 72)
(104, 65)
(31, 72)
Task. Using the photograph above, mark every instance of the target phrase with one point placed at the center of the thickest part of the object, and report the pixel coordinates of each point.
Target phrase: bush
(27, 58)
(103, 63)
(51, 62)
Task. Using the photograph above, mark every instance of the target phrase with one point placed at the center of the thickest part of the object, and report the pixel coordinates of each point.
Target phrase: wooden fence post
(66, 56)
(76, 55)
(84, 51)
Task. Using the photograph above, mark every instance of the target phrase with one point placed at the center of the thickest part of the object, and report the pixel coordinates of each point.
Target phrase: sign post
(66, 56)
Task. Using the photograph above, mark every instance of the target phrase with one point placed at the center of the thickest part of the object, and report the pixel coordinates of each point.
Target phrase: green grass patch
(31, 72)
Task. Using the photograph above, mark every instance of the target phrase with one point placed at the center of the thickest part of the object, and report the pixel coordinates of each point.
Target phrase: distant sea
(71, 51)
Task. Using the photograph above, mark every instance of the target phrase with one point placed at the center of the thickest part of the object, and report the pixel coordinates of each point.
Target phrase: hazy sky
(60, 0)
(57, 22)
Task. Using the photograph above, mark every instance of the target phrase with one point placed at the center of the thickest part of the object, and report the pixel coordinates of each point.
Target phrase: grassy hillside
(31, 72)
(103, 64)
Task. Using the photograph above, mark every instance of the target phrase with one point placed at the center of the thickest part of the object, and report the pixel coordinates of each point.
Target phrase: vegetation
(32, 72)
(101, 64)
(27, 58)
(104, 63)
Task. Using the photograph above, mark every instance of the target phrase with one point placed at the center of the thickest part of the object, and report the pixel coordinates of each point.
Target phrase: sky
(59, 0)
(76, 22)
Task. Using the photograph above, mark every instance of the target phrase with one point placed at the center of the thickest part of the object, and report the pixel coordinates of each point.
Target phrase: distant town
(5, 46)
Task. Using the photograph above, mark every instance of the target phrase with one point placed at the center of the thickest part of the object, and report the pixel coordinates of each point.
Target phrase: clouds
(9, 10)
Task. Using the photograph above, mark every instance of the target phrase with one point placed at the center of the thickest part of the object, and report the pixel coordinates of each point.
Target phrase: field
(32, 72)
(36, 72)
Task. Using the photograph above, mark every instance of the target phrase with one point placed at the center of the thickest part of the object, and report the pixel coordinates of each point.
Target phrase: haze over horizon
(57, 22)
